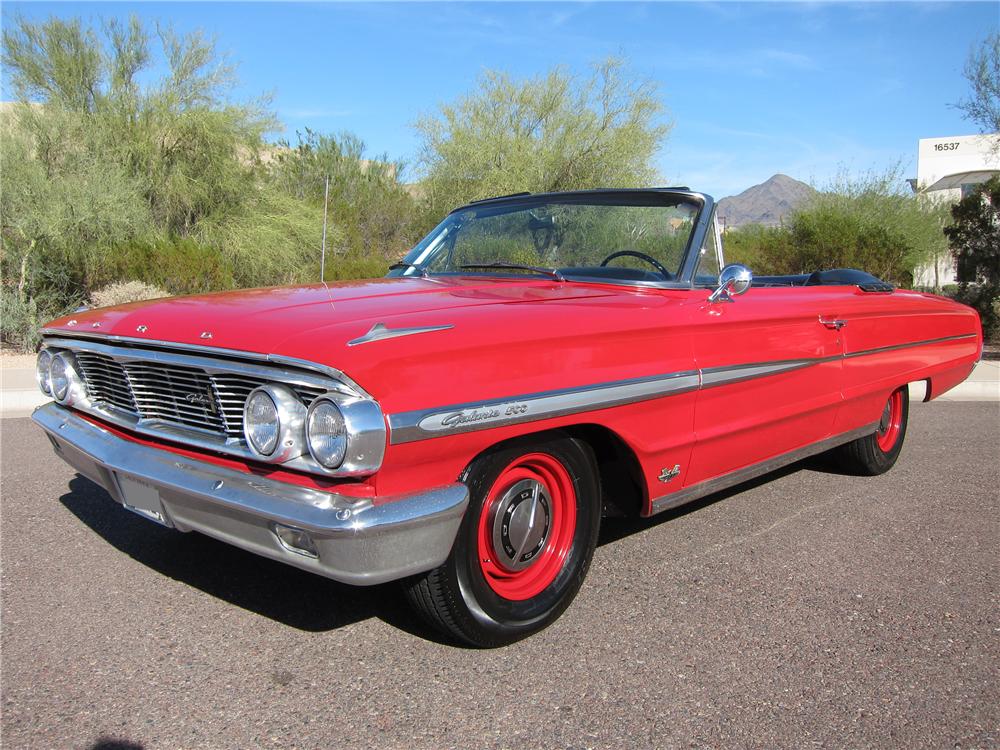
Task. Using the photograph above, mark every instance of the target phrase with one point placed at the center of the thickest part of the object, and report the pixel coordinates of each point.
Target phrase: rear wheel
(524, 545)
(876, 453)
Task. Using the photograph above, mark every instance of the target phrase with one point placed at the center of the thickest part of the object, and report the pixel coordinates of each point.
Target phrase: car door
(771, 376)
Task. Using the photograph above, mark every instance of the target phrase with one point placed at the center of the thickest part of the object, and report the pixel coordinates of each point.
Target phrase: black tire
(875, 454)
(472, 597)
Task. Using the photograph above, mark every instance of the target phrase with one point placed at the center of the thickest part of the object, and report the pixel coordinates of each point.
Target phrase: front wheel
(876, 453)
(524, 546)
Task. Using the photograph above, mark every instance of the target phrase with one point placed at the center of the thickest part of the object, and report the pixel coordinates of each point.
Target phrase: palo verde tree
(370, 207)
(982, 71)
(555, 132)
(127, 156)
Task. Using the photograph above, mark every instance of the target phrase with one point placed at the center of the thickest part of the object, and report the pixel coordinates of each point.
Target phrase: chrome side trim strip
(713, 376)
(710, 486)
(407, 427)
(894, 347)
(380, 331)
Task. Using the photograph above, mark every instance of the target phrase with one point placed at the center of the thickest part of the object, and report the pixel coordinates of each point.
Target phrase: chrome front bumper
(357, 542)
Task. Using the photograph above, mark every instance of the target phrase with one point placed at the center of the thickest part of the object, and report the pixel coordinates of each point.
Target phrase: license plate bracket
(142, 498)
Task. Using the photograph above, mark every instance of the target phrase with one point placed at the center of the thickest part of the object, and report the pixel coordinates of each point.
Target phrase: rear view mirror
(733, 281)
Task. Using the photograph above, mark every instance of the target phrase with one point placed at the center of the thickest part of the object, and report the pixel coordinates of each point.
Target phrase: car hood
(491, 336)
(260, 320)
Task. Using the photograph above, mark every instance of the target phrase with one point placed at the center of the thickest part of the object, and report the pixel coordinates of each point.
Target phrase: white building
(947, 170)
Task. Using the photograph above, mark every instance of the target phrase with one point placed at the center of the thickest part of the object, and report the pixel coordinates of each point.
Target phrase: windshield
(623, 238)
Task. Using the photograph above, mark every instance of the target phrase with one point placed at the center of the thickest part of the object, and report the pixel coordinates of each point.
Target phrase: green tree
(982, 71)
(975, 242)
(128, 157)
(869, 222)
(372, 209)
(554, 132)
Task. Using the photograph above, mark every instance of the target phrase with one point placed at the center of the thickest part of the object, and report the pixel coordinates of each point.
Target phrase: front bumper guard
(356, 541)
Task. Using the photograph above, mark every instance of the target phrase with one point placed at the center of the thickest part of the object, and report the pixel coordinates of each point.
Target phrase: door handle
(833, 325)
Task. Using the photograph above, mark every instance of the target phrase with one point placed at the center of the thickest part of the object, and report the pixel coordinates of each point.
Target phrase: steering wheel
(641, 256)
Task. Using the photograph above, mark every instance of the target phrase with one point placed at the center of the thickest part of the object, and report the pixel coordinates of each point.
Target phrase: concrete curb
(19, 396)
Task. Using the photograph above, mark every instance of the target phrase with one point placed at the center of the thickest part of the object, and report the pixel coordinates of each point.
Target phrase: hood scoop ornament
(380, 331)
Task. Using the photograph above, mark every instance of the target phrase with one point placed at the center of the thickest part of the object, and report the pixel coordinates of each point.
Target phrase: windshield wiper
(553, 272)
(404, 264)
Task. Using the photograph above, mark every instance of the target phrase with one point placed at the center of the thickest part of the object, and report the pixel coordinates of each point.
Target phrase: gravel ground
(807, 609)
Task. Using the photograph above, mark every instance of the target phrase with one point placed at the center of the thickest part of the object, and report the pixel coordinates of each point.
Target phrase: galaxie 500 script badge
(472, 417)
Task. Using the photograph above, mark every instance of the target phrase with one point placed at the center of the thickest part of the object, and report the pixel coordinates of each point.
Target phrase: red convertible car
(537, 362)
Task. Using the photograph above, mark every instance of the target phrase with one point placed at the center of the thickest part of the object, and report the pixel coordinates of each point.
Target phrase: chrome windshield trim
(423, 424)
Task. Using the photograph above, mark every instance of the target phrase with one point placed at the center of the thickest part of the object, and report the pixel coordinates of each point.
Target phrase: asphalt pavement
(806, 609)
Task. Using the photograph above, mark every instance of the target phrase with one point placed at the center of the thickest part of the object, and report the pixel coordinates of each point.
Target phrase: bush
(866, 222)
(21, 316)
(350, 267)
(179, 265)
(124, 292)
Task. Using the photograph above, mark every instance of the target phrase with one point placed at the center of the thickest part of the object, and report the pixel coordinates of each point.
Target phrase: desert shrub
(179, 265)
(355, 266)
(21, 317)
(867, 222)
(123, 292)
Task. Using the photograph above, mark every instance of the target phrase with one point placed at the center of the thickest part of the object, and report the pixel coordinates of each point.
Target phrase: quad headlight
(326, 433)
(42, 376)
(273, 423)
(343, 434)
(65, 384)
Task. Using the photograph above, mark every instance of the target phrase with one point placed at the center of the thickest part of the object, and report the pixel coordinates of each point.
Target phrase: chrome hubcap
(886, 420)
(521, 524)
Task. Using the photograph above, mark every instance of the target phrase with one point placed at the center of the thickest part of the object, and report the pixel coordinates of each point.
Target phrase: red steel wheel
(526, 529)
(891, 425)
(524, 545)
(876, 453)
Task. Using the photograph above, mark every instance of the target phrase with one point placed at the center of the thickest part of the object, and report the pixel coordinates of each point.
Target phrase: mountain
(767, 203)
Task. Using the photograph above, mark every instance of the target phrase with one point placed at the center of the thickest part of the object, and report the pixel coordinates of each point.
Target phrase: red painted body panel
(513, 337)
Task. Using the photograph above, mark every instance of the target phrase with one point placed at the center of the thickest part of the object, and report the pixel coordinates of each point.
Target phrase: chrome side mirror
(733, 281)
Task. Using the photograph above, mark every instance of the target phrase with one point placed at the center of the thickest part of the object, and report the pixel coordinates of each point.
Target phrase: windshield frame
(651, 197)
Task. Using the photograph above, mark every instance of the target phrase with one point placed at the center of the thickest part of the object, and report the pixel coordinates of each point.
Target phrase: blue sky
(806, 89)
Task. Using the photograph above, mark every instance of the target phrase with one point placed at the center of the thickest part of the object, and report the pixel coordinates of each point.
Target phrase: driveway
(805, 609)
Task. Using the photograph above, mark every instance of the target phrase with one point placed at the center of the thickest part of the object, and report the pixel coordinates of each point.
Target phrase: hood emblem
(95, 325)
(71, 323)
(142, 329)
(206, 334)
(380, 331)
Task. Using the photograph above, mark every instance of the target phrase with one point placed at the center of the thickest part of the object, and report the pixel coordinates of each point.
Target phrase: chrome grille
(182, 395)
(106, 380)
(186, 396)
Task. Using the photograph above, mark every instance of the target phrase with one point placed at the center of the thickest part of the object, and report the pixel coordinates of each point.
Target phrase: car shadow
(613, 529)
(111, 743)
(271, 589)
(293, 597)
